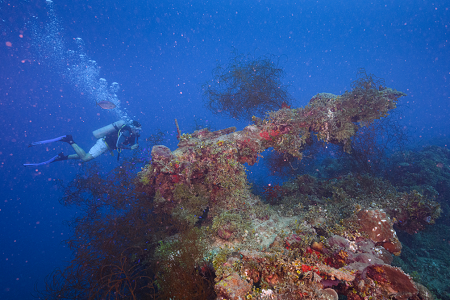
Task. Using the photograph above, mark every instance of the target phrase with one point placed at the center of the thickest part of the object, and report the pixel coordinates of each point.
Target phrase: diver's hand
(135, 146)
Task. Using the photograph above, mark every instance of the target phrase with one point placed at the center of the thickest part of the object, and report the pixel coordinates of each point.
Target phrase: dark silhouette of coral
(372, 146)
(273, 193)
(113, 236)
(181, 271)
(247, 86)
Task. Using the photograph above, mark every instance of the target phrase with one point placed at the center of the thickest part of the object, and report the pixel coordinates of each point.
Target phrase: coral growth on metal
(206, 155)
(260, 252)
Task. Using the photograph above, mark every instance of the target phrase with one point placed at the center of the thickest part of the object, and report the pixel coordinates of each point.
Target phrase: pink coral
(378, 226)
(393, 282)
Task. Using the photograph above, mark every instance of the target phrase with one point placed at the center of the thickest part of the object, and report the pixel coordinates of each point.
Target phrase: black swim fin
(64, 138)
(67, 139)
(58, 157)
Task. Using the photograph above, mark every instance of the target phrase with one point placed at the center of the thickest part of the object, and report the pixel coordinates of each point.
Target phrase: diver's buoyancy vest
(111, 138)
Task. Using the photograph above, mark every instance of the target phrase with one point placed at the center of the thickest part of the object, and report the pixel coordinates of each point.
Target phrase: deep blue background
(160, 52)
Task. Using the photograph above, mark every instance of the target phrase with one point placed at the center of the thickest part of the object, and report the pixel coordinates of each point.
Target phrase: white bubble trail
(74, 65)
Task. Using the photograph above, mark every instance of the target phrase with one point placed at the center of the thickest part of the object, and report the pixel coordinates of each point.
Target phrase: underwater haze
(151, 59)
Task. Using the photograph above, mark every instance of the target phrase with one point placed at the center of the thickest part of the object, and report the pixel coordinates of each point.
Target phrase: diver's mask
(136, 130)
(136, 127)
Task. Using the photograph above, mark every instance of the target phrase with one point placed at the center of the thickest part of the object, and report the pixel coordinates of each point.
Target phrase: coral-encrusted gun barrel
(215, 159)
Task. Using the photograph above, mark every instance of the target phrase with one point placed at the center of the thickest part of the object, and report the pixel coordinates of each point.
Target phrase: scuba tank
(101, 132)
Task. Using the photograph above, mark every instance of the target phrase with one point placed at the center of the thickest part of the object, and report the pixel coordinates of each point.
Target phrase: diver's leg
(73, 156)
(80, 153)
(99, 148)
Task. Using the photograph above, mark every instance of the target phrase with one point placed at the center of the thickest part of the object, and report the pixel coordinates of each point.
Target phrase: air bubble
(114, 88)
(76, 66)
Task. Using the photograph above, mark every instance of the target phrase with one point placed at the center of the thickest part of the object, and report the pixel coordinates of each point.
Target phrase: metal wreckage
(326, 238)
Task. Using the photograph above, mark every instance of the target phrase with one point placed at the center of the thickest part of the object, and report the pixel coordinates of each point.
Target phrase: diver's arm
(136, 142)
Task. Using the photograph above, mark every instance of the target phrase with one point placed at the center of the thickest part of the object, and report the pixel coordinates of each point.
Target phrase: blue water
(159, 53)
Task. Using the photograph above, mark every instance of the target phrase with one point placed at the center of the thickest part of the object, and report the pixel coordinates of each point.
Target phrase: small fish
(440, 165)
(106, 104)
(284, 105)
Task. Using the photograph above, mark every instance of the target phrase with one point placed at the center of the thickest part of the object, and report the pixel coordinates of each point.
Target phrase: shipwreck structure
(321, 240)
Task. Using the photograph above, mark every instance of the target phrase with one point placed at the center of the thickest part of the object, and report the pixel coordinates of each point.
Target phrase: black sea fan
(246, 86)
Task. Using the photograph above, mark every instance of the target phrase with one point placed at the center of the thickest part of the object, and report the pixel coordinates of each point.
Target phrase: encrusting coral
(215, 159)
(317, 239)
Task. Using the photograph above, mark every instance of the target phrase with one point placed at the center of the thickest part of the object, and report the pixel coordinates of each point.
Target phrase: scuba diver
(116, 136)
